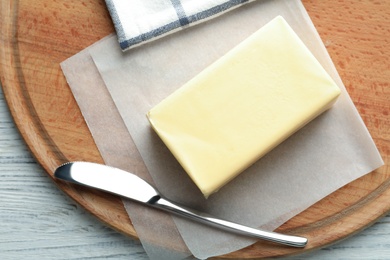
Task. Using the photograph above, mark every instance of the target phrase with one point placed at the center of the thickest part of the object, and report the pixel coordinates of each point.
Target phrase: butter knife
(130, 186)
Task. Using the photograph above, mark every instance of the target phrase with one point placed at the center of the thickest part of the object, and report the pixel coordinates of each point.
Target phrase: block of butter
(243, 105)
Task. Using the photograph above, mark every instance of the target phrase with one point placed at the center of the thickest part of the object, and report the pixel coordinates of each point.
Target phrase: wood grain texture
(37, 35)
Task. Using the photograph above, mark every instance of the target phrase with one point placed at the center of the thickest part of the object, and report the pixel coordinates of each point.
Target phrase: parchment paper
(328, 153)
(118, 150)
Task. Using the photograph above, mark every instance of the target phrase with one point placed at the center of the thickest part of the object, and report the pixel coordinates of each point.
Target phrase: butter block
(243, 105)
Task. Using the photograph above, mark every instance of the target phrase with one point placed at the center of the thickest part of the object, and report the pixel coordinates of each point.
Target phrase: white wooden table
(37, 221)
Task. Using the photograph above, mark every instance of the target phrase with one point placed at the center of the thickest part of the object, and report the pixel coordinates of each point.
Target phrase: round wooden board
(37, 35)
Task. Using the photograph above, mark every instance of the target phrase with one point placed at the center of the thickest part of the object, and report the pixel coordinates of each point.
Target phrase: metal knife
(130, 186)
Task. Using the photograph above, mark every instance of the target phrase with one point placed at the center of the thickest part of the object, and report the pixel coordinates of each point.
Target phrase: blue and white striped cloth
(140, 21)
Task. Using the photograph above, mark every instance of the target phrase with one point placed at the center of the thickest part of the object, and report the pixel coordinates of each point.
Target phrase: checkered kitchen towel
(140, 21)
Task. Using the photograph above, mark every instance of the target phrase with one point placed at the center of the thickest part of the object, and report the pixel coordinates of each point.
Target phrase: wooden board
(37, 35)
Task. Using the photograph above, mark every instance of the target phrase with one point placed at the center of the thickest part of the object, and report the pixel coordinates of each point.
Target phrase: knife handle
(166, 205)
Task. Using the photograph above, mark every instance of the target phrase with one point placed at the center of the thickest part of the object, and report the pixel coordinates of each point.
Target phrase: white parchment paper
(328, 153)
(118, 150)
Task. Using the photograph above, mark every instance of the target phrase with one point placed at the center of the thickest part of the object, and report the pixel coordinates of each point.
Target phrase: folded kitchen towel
(140, 21)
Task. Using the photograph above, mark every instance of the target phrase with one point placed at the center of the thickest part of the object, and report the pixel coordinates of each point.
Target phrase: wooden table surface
(38, 221)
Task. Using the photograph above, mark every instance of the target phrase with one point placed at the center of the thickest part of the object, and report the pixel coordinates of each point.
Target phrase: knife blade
(128, 185)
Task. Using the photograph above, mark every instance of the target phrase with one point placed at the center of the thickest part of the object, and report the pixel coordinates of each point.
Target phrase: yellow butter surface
(243, 105)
